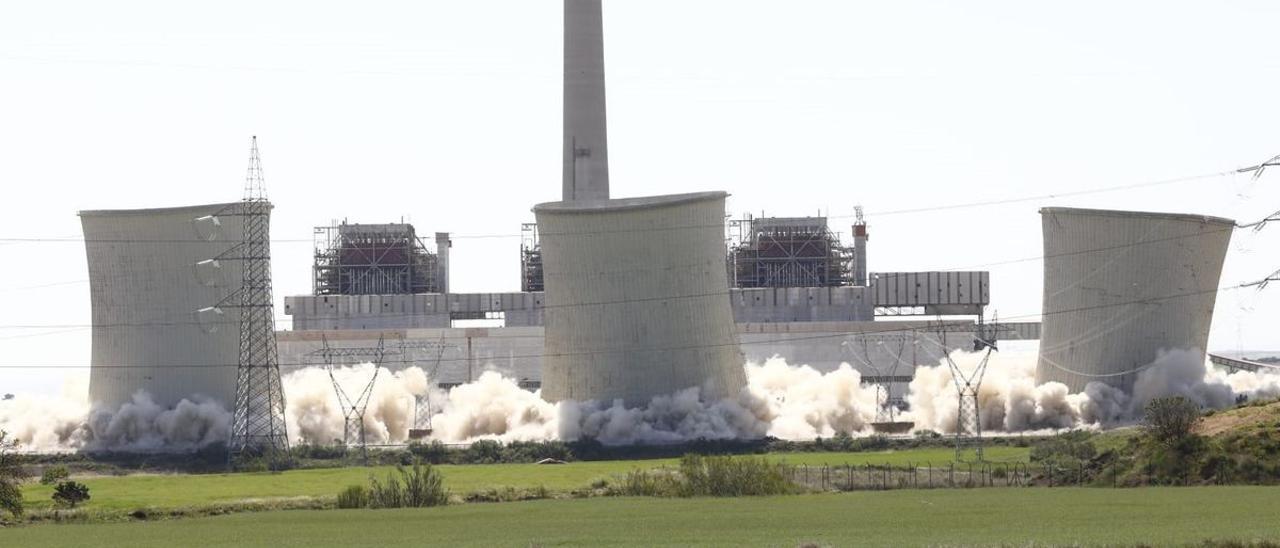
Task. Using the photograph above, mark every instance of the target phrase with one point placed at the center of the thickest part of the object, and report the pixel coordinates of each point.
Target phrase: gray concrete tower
(586, 151)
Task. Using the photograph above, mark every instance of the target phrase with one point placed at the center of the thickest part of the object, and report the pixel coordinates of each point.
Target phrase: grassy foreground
(1155, 516)
(181, 490)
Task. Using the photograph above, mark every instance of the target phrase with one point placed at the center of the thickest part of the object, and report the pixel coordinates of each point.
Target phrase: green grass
(177, 490)
(1154, 516)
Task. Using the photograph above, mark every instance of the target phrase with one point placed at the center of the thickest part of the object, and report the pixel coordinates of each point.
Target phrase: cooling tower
(156, 278)
(1120, 286)
(637, 299)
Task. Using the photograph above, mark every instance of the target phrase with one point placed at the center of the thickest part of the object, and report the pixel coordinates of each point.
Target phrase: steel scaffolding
(372, 259)
(530, 258)
(787, 252)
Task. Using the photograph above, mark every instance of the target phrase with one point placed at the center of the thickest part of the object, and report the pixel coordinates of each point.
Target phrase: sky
(447, 115)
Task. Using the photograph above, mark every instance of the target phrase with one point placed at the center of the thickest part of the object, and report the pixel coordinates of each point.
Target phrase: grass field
(179, 490)
(1013, 516)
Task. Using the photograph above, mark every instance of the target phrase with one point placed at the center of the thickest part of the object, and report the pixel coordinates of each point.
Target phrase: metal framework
(372, 259)
(886, 403)
(530, 258)
(422, 402)
(787, 252)
(258, 423)
(968, 385)
(353, 410)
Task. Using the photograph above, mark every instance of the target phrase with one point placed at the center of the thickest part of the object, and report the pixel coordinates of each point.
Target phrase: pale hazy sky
(448, 114)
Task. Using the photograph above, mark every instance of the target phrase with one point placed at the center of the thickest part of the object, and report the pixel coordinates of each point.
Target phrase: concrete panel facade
(637, 299)
(1120, 286)
(517, 351)
(154, 279)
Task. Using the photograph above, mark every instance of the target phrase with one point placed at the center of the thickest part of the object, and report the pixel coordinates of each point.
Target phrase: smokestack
(442, 260)
(860, 254)
(586, 153)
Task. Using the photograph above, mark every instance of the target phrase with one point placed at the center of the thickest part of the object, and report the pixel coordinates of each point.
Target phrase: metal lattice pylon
(968, 385)
(353, 431)
(886, 408)
(422, 402)
(258, 423)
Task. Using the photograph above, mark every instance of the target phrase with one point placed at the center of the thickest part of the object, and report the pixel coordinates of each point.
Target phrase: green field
(182, 490)
(1013, 516)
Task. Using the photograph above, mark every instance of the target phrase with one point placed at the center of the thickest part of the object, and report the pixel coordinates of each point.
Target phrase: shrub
(354, 496)
(1065, 448)
(484, 452)
(731, 477)
(1169, 420)
(421, 485)
(11, 476)
(70, 493)
(54, 474)
(434, 452)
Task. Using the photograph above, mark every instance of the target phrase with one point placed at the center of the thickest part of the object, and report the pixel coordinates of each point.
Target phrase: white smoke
(781, 400)
(49, 423)
(67, 422)
(1010, 401)
(143, 425)
(313, 415)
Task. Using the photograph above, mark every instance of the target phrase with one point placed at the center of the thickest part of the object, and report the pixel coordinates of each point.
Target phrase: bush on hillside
(1170, 420)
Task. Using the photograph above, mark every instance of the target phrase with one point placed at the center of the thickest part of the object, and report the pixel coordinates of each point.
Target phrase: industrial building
(1122, 286)
(790, 287)
(631, 316)
(158, 284)
(378, 259)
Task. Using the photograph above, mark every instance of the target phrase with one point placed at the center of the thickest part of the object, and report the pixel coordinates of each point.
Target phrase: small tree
(70, 493)
(1170, 420)
(11, 476)
(54, 474)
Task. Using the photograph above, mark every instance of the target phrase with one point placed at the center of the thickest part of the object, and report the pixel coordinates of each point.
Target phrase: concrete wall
(784, 304)
(637, 300)
(150, 276)
(517, 351)
(1119, 286)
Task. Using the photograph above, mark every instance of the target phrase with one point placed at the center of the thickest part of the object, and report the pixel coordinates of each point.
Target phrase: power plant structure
(1122, 286)
(618, 298)
(631, 316)
(157, 279)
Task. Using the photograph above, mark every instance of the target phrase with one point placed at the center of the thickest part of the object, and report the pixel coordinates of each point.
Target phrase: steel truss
(968, 435)
(258, 421)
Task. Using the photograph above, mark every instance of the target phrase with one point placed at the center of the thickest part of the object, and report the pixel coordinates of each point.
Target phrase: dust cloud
(781, 400)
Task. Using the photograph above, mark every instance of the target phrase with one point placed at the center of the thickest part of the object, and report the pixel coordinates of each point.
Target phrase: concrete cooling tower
(637, 300)
(1120, 286)
(154, 279)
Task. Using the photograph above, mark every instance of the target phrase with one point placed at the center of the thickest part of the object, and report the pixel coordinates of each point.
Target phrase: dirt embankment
(1238, 419)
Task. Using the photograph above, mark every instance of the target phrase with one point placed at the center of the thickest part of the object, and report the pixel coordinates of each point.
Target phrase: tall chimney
(443, 243)
(860, 254)
(586, 152)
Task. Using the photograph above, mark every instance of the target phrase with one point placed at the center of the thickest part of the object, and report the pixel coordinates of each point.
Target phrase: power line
(928, 327)
(928, 209)
(620, 301)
